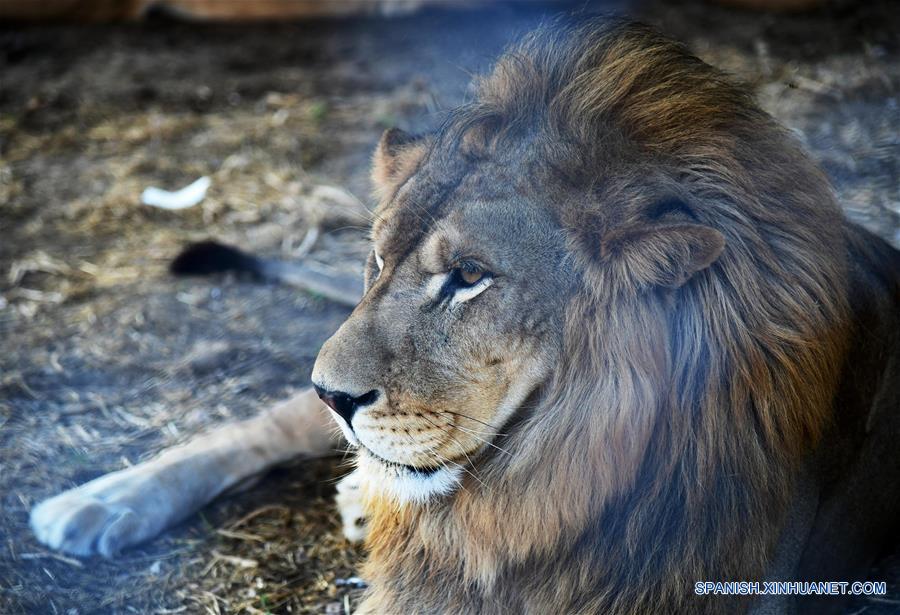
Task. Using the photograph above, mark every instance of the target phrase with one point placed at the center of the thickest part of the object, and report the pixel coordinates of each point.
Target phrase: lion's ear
(662, 254)
(396, 158)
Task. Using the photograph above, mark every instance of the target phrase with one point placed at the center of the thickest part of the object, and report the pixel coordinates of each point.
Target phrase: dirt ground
(105, 358)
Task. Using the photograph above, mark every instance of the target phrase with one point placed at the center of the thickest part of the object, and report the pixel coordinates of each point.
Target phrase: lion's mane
(664, 448)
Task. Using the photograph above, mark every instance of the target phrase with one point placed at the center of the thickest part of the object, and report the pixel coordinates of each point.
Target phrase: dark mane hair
(663, 451)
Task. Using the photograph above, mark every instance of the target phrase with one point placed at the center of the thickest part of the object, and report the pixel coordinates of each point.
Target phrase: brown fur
(663, 450)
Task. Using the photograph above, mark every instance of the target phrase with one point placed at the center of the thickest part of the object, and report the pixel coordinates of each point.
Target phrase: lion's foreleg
(130, 506)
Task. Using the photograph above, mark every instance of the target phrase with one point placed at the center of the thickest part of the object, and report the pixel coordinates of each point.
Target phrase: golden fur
(700, 354)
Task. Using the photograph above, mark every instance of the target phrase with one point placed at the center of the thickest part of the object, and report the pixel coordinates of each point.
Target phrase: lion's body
(667, 448)
(617, 339)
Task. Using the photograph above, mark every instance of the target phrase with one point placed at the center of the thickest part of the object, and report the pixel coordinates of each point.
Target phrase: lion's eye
(379, 261)
(470, 277)
(464, 283)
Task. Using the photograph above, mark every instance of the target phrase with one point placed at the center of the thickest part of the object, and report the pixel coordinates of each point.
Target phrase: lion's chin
(405, 483)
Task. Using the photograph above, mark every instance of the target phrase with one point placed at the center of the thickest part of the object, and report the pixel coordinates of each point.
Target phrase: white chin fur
(405, 485)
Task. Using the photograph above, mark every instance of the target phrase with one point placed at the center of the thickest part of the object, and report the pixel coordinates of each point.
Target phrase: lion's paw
(101, 517)
(84, 525)
(349, 503)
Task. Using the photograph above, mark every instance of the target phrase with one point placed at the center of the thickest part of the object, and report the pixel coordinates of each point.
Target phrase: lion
(616, 339)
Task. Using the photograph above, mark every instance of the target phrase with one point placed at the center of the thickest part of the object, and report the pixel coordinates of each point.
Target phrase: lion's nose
(344, 404)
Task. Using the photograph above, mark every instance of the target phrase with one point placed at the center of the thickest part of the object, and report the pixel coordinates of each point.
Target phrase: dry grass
(105, 359)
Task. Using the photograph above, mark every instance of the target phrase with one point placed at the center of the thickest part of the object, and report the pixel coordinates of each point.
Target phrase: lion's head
(462, 320)
(604, 300)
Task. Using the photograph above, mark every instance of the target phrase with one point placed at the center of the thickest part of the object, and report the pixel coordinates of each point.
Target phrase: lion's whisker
(476, 435)
(488, 442)
(466, 416)
(443, 461)
(444, 431)
(465, 454)
(489, 434)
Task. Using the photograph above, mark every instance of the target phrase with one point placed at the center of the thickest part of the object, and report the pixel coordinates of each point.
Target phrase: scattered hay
(105, 359)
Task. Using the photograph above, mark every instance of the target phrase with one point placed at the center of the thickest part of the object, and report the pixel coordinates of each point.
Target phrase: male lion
(616, 339)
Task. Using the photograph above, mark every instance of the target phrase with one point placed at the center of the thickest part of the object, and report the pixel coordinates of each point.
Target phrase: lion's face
(460, 322)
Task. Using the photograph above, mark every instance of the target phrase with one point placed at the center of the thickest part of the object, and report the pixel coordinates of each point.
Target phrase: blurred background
(105, 358)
